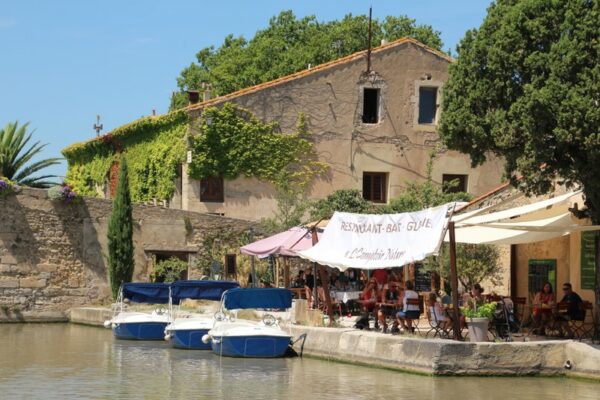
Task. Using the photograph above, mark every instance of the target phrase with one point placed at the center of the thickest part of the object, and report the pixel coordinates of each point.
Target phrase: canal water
(66, 361)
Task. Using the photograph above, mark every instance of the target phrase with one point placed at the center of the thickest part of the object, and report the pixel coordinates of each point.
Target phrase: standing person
(299, 280)
(381, 277)
(543, 303)
(309, 284)
(409, 312)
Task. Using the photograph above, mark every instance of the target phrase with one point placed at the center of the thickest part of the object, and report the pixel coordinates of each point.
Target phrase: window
(370, 113)
(454, 183)
(374, 186)
(211, 189)
(427, 104)
(230, 264)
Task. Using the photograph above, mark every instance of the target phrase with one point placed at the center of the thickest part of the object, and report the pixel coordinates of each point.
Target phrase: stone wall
(53, 254)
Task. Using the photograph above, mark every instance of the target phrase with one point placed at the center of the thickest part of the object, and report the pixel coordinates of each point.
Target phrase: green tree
(526, 87)
(474, 264)
(170, 270)
(15, 157)
(344, 200)
(288, 45)
(120, 234)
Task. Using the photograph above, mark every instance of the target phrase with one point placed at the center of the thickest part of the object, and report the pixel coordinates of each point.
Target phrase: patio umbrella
(285, 243)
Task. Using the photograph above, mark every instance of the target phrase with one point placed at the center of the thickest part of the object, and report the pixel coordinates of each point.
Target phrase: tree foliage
(120, 234)
(474, 264)
(344, 200)
(526, 87)
(15, 157)
(288, 45)
(170, 270)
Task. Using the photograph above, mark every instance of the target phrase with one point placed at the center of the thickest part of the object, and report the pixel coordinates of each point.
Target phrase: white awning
(368, 241)
(543, 220)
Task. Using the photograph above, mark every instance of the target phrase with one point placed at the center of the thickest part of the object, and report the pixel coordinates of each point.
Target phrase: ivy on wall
(153, 147)
(227, 141)
(232, 142)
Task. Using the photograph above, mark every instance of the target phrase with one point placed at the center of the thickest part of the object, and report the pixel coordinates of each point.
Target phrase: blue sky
(64, 61)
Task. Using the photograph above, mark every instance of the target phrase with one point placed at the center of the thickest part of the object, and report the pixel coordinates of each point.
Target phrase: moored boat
(186, 332)
(133, 325)
(242, 338)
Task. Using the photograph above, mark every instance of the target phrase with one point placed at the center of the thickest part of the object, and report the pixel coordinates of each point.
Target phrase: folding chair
(584, 328)
(436, 326)
(415, 321)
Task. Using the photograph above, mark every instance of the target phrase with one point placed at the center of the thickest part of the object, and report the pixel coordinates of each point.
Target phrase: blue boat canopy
(200, 290)
(258, 298)
(145, 292)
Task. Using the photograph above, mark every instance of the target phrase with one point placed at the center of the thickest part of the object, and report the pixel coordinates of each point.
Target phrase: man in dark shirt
(573, 302)
(574, 311)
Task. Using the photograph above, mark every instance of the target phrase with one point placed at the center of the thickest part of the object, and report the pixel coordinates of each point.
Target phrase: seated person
(436, 312)
(543, 304)
(409, 312)
(370, 296)
(391, 299)
(573, 300)
(298, 281)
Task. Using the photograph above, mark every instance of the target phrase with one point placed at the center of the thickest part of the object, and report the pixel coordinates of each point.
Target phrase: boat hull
(140, 330)
(190, 339)
(250, 346)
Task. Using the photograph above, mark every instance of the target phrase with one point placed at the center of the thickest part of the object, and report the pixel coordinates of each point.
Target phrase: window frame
(384, 183)
(377, 96)
(212, 196)
(463, 182)
(435, 104)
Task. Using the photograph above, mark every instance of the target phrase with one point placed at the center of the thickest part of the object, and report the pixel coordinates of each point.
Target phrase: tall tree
(120, 234)
(526, 87)
(15, 157)
(288, 45)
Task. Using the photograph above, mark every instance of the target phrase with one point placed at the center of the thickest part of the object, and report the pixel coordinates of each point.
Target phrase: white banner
(369, 241)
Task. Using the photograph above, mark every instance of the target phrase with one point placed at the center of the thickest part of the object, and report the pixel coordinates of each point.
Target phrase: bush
(6, 186)
(169, 270)
(62, 192)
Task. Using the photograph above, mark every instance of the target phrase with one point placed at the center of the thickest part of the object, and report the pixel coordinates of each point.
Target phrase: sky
(62, 62)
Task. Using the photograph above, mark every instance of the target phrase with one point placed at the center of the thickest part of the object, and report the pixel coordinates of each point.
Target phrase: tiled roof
(291, 77)
(315, 69)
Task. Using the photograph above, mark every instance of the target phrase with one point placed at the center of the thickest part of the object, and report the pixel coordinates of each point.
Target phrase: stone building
(375, 129)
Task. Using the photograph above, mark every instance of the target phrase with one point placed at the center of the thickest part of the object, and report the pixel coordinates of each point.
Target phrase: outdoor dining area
(365, 272)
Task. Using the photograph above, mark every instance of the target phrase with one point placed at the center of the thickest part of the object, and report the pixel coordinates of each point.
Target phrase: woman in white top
(409, 311)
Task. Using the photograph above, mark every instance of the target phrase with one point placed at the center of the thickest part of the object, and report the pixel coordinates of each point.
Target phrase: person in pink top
(380, 276)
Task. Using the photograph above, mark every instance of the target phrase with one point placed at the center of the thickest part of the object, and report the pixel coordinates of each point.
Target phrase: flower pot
(478, 328)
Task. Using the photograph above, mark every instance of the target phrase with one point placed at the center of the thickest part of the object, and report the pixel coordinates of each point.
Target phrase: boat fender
(167, 336)
(107, 323)
(206, 339)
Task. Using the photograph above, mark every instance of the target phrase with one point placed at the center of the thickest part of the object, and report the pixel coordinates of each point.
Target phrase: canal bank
(430, 356)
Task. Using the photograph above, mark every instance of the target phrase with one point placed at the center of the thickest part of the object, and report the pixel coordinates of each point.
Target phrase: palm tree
(14, 157)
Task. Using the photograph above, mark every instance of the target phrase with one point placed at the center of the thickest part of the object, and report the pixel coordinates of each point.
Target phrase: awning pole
(252, 271)
(454, 283)
(324, 280)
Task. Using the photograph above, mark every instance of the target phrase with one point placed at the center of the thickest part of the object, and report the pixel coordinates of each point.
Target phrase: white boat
(140, 325)
(186, 331)
(241, 338)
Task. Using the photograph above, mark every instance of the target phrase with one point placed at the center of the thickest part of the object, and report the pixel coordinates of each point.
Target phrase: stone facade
(53, 255)
(332, 98)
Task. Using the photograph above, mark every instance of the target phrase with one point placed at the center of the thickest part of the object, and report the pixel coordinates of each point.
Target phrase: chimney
(206, 91)
(193, 96)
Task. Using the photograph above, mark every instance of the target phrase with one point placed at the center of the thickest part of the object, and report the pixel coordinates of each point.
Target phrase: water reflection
(57, 361)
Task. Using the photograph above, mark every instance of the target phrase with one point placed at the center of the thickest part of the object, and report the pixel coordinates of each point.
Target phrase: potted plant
(478, 319)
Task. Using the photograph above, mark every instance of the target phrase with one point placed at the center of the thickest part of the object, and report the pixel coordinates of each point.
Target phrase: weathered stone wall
(53, 255)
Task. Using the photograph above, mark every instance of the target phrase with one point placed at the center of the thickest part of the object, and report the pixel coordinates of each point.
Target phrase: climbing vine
(153, 147)
(232, 142)
(229, 142)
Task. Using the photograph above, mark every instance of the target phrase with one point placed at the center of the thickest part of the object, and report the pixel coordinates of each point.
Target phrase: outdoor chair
(520, 304)
(584, 328)
(436, 327)
(415, 302)
(335, 305)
